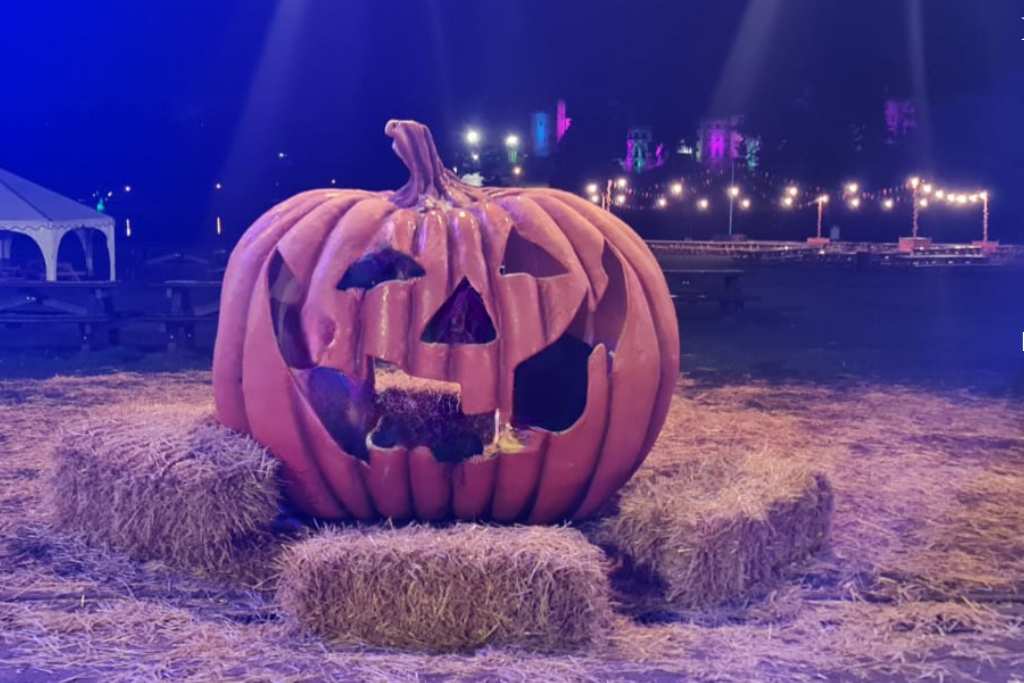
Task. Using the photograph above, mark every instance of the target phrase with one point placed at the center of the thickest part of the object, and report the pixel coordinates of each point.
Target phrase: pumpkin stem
(428, 178)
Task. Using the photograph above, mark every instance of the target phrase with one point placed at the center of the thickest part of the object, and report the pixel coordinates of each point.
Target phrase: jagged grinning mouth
(391, 408)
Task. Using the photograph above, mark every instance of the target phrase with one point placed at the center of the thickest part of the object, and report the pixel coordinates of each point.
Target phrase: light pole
(733, 193)
(984, 216)
(915, 183)
(821, 201)
(512, 145)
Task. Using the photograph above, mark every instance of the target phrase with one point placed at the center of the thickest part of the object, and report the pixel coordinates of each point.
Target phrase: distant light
(787, 202)
(620, 199)
(517, 170)
(923, 202)
(855, 203)
(792, 190)
(702, 204)
(852, 188)
(676, 189)
(110, 194)
(733, 191)
(127, 227)
(127, 188)
(940, 194)
(914, 181)
(621, 182)
(591, 188)
(219, 230)
(476, 157)
(926, 188)
(888, 204)
(662, 202)
(512, 141)
(217, 186)
(281, 155)
(745, 203)
(822, 198)
(334, 181)
(595, 198)
(473, 136)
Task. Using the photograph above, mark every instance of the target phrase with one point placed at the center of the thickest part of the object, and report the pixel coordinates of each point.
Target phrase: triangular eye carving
(462, 319)
(380, 266)
(524, 256)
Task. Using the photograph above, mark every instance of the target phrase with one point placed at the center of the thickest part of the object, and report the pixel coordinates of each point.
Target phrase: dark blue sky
(173, 96)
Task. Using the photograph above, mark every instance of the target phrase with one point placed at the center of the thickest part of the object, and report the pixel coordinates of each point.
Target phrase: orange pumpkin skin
(547, 265)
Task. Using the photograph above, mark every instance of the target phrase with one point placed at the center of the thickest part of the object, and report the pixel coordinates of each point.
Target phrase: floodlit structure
(46, 217)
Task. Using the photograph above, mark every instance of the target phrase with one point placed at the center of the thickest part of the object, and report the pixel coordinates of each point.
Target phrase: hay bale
(169, 483)
(450, 589)
(700, 533)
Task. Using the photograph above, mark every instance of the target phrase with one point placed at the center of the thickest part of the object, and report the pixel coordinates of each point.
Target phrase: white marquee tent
(47, 217)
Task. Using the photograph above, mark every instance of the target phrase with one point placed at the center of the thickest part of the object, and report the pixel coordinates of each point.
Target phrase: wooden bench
(720, 285)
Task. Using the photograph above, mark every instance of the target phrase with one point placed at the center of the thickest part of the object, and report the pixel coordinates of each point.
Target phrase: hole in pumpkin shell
(461, 319)
(380, 266)
(550, 390)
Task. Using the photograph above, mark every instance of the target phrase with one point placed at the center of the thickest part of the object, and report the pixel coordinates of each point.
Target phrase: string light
(787, 202)
(591, 188)
(745, 203)
(914, 182)
(595, 198)
(621, 182)
(792, 191)
(888, 204)
(855, 203)
(676, 189)
(923, 202)
(926, 188)
(851, 188)
(940, 194)
(822, 199)
(702, 204)
(733, 191)
(620, 199)
(662, 202)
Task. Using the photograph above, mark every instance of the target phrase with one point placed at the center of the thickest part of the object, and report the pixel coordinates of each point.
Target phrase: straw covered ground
(923, 578)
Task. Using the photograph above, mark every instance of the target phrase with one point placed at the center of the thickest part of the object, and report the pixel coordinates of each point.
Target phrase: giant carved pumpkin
(547, 315)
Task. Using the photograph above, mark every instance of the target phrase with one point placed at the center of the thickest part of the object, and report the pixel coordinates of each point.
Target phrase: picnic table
(721, 285)
(184, 312)
(89, 305)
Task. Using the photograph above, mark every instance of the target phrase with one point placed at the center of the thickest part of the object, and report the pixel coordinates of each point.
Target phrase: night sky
(172, 97)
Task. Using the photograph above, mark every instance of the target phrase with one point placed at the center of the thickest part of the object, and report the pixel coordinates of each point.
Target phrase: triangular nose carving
(462, 319)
